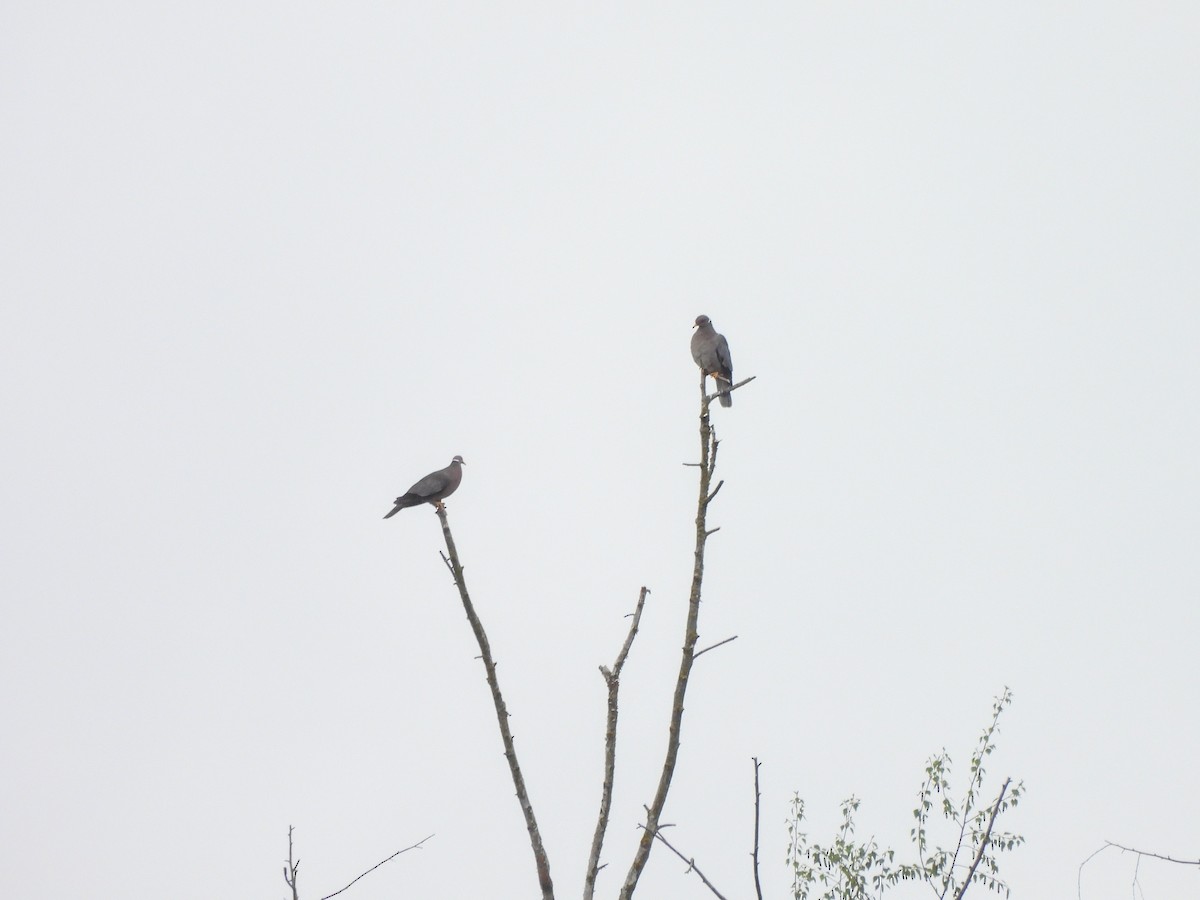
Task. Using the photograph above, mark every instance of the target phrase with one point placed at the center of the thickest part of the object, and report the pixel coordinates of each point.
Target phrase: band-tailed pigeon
(711, 353)
(433, 488)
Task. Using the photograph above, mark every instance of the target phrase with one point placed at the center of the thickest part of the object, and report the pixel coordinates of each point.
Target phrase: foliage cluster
(847, 869)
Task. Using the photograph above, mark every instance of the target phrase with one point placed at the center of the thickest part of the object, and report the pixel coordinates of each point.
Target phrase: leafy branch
(848, 869)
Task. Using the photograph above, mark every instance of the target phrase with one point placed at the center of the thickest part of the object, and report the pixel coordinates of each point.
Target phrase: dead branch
(510, 753)
(1110, 845)
(711, 397)
(1170, 859)
(291, 868)
(716, 490)
(987, 834)
(754, 852)
(1079, 874)
(692, 867)
(416, 846)
(700, 653)
(708, 449)
(613, 679)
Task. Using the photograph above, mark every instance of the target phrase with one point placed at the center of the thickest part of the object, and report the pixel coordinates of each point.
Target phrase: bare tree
(652, 825)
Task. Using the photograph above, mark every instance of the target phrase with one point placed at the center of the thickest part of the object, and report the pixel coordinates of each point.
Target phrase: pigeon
(433, 488)
(711, 353)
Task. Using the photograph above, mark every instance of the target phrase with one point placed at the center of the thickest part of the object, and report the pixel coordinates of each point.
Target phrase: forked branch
(612, 677)
(1170, 859)
(1112, 845)
(292, 867)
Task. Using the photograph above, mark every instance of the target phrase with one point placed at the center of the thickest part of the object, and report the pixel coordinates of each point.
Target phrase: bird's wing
(723, 357)
(431, 484)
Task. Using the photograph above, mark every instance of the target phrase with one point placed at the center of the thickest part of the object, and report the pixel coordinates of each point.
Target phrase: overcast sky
(264, 265)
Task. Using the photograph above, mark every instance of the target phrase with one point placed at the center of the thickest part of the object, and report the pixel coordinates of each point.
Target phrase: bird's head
(702, 320)
(459, 460)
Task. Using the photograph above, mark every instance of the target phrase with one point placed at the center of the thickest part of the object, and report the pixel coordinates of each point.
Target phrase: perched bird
(433, 488)
(711, 353)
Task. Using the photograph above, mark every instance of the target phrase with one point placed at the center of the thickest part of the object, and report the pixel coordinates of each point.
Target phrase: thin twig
(613, 679)
(692, 867)
(711, 397)
(1079, 875)
(416, 846)
(987, 834)
(715, 491)
(1170, 859)
(754, 854)
(700, 653)
(510, 753)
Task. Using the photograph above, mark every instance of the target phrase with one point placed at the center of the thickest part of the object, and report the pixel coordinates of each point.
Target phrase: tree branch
(1110, 845)
(416, 846)
(1079, 874)
(1170, 859)
(987, 834)
(291, 868)
(613, 680)
(711, 397)
(692, 867)
(446, 560)
(754, 853)
(687, 656)
(713, 647)
(510, 753)
(715, 491)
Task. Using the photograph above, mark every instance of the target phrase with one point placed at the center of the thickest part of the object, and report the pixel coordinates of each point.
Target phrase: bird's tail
(723, 385)
(399, 506)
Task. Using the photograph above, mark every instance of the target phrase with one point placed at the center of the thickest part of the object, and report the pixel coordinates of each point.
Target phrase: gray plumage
(433, 488)
(711, 353)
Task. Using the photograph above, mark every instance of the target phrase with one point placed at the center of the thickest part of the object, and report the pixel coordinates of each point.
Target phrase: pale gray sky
(265, 264)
